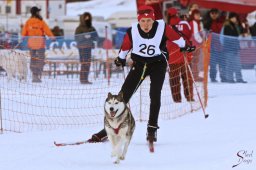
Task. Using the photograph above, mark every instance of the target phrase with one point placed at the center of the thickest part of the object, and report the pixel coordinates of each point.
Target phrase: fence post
(1, 118)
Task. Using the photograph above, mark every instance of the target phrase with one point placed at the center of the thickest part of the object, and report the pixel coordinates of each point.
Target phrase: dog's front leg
(126, 144)
(113, 144)
(118, 149)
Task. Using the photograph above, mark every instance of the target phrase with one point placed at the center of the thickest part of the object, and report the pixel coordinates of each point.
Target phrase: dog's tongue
(112, 114)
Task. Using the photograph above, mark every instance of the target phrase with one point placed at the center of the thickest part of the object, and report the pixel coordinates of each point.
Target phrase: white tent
(122, 18)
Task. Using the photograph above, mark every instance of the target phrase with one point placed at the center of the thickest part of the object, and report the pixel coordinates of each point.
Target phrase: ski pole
(189, 68)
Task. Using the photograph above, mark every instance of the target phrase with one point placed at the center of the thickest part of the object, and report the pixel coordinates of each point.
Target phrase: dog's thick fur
(119, 125)
(15, 64)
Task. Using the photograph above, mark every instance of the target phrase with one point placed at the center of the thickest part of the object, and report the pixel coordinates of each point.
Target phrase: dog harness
(117, 129)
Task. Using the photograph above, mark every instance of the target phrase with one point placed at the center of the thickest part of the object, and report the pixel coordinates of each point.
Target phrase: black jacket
(85, 35)
(253, 30)
(231, 32)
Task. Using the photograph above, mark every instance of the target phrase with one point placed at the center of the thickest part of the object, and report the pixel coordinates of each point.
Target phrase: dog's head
(114, 105)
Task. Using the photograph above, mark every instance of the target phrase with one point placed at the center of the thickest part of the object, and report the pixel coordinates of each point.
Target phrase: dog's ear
(110, 95)
(121, 96)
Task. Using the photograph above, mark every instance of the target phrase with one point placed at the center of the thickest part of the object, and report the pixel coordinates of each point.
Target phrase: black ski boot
(99, 137)
(152, 133)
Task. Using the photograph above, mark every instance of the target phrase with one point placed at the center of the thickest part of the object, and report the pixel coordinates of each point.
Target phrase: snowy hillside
(186, 143)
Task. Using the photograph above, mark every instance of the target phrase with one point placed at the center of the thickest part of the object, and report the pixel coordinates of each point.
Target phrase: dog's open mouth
(113, 113)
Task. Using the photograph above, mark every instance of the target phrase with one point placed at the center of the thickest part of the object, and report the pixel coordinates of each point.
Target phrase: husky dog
(119, 125)
(14, 63)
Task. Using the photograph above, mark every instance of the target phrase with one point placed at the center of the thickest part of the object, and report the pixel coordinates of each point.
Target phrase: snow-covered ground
(186, 143)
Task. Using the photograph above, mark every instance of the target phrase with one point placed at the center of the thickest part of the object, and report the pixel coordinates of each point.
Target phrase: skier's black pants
(156, 71)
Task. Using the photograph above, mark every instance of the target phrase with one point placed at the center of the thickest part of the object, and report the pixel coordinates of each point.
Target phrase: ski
(151, 146)
(71, 143)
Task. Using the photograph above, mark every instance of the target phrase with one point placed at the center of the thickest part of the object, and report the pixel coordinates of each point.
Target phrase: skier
(147, 42)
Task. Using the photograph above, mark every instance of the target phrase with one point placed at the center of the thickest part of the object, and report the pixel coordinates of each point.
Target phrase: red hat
(146, 12)
(172, 11)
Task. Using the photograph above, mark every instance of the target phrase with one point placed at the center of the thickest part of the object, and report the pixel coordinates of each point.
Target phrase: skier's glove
(120, 62)
(188, 49)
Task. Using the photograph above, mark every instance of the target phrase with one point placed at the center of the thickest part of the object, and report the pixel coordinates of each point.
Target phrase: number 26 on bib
(149, 50)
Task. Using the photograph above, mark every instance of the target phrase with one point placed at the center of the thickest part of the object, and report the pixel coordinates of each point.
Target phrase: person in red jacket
(178, 67)
(197, 40)
(147, 42)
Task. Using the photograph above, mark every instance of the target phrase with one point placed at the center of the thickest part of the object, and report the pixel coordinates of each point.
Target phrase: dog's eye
(116, 102)
(109, 102)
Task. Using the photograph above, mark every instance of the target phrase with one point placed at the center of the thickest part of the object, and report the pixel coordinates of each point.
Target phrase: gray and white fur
(119, 125)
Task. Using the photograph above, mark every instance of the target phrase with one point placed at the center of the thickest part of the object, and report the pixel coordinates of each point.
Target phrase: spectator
(57, 31)
(157, 5)
(184, 17)
(252, 25)
(85, 35)
(251, 19)
(253, 29)
(192, 7)
(184, 4)
(35, 28)
(223, 16)
(213, 24)
(197, 39)
(178, 67)
(231, 49)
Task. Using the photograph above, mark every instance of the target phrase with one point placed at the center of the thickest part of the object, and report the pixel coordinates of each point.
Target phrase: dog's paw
(121, 157)
(117, 161)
